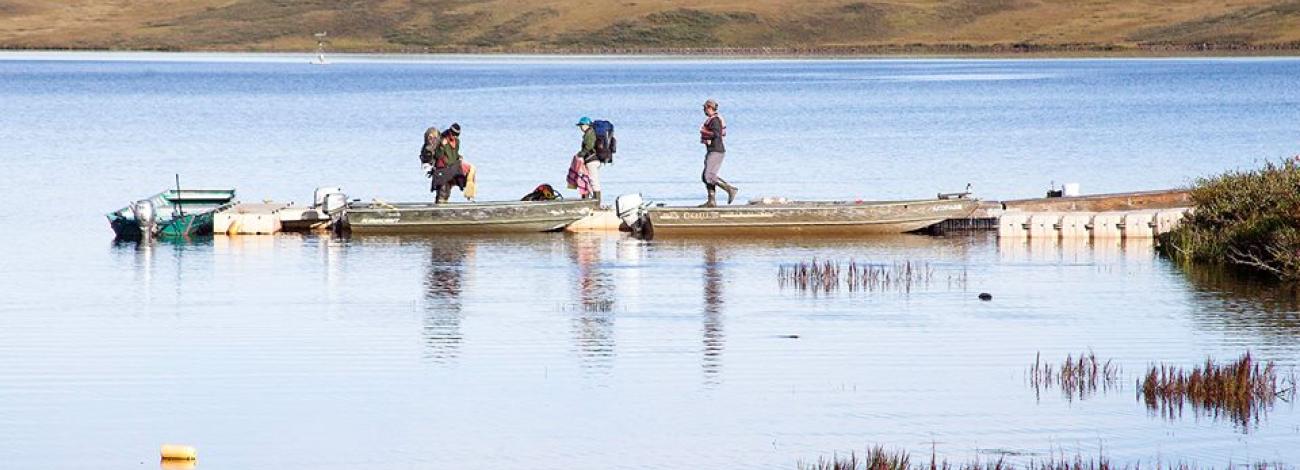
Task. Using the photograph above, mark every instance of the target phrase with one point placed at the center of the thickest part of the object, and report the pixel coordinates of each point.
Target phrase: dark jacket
(444, 155)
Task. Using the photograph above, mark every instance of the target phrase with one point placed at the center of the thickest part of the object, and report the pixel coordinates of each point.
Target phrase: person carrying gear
(590, 158)
(441, 160)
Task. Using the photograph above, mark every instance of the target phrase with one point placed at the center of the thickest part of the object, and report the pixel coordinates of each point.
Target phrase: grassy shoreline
(846, 52)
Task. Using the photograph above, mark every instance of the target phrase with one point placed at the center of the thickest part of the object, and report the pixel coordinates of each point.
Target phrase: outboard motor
(318, 198)
(146, 215)
(631, 209)
(331, 202)
(334, 203)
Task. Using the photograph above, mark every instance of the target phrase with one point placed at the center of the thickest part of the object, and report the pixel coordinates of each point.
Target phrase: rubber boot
(444, 193)
(713, 199)
(731, 190)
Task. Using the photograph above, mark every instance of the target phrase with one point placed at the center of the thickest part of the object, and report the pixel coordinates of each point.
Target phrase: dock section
(1135, 215)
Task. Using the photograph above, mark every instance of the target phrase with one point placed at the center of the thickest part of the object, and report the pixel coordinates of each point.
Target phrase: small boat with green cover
(171, 214)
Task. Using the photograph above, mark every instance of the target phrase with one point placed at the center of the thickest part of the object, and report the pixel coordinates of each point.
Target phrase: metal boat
(807, 217)
(171, 213)
(494, 217)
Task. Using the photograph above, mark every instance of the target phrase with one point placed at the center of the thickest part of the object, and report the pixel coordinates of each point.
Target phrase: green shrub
(1249, 219)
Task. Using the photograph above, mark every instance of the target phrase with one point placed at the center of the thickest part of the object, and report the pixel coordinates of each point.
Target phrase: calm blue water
(562, 351)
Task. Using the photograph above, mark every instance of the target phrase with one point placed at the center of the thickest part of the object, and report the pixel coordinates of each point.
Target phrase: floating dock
(1143, 214)
(1131, 215)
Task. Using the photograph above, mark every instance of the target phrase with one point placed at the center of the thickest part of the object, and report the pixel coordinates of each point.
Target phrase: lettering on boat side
(946, 207)
(699, 215)
(759, 215)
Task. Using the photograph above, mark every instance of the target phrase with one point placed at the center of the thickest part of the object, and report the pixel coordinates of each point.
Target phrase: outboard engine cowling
(146, 215)
(334, 203)
(631, 209)
(318, 198)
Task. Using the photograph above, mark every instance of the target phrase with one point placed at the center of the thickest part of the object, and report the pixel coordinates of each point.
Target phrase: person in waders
(440, 158)
(711, 134)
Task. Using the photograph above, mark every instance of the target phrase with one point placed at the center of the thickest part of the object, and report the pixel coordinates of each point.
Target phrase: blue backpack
(606, 144)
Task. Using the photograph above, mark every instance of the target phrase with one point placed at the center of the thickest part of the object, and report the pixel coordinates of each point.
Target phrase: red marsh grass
(1241, 390)
(879, 458)
(1077, 378)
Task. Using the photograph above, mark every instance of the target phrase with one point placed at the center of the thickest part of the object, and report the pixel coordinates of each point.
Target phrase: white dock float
(1076, 225)
(1043, 225)
(599, 221)
(1013, 225)
(1108, 225)
(1139, 224)
(1136, 224)
(1168, 220)
(248, 219)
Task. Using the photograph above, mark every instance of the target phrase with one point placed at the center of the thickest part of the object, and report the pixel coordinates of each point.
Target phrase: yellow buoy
(179, 452)
(177, 465)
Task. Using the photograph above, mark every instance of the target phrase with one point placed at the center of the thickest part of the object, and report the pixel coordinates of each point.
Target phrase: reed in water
(1241, 390)
(824, 276)
(1077, 378)
(880, 458)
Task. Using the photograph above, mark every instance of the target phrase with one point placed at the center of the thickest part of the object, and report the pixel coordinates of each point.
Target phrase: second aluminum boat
(487, 217)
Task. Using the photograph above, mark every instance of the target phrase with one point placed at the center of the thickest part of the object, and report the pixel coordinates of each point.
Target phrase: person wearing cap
(446, 169)
(589, 158)
(711, 134)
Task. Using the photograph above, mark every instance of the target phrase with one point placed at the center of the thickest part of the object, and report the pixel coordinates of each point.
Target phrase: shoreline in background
(651, 54)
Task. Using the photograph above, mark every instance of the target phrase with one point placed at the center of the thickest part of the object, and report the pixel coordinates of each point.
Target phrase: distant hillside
(845, 26)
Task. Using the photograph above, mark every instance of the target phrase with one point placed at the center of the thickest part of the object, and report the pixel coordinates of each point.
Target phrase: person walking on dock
(712, 132)
(587, 153)
(441, 160)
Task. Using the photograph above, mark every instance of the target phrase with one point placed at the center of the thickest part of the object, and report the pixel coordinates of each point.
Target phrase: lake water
(563, 351)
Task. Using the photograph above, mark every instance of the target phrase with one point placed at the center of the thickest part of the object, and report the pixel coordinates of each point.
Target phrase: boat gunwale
(935, 220)
(812, 205)
(430, 206)
(469, 223)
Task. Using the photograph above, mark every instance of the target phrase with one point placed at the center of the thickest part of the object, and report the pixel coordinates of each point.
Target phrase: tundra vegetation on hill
(832, 26)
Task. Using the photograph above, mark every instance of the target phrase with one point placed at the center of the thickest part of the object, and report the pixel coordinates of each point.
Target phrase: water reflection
(444, 284)
(1103, 251)
(714, 300)
(594, 294)
(1234, 302)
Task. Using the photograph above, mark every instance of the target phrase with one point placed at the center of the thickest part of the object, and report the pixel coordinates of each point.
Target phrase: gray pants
(712, 162)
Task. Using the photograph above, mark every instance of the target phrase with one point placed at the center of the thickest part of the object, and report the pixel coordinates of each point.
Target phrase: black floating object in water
(985, 296)
(788, 336)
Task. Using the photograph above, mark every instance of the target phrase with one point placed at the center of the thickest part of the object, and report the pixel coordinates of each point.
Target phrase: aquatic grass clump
(1078, 378)
(879, 458)
(1241, 390)
(825, 276)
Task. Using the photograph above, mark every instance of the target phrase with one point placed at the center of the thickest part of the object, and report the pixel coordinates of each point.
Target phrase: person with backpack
(711, 134)
(598, 147)
(440, 158)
